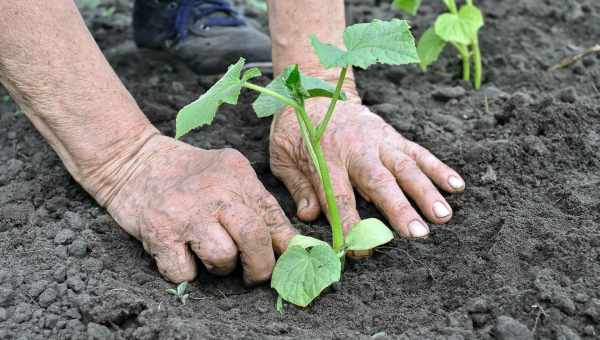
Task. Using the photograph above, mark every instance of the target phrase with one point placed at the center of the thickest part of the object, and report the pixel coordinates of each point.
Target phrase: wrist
(105, 176)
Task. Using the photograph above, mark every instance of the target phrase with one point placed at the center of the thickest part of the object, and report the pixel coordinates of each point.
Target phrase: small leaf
(368, 234)
(251, 73)
(429, 48)
(451, 28)
(266, 106)
(472, 15)
(172, 291)
(305, 241)
(279, 304)
(182, 288)
(386, 42)
(409, 6)
(301, 275)
(184, 298)
(203, 110)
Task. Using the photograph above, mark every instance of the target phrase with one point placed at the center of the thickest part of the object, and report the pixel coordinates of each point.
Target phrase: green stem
(452, 7)
(273, 94)
(466, 60)
(336, 95)
(477, 63)
(334, 214)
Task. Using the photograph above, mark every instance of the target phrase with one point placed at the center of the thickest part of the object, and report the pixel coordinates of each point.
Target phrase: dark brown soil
(520, 259)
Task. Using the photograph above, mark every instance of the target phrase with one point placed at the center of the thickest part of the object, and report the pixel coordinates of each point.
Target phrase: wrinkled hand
(183, 201)
(364, 151)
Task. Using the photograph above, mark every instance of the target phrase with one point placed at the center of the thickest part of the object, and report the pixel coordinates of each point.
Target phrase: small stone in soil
(589, 330)
(6, 296)
(568, 95)
(78, 248)
(3, 314)
(74, 220)
(508, 328)
(64, 236)
(98, 332)
(566, 333)
(75, 284)
(60, 273)
(47, 297)
(446, 93)
(22, 313)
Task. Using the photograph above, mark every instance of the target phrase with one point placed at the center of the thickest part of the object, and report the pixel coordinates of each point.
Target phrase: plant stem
(466, 60)
(476, 63)
(273, 94)
(336, 95)
(452, 7)
(334, 214)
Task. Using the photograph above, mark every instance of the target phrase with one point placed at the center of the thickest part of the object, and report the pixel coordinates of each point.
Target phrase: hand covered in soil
(363, 150)
(182, 201)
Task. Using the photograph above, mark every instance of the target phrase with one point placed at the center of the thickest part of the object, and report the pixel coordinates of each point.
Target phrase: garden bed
(521, 255)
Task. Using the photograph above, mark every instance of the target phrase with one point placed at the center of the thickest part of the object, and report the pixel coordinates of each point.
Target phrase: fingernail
(440, 210)
(303, 204)
(455, 182)
(417, 229)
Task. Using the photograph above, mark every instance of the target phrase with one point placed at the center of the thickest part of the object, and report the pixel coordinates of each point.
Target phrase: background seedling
(459, 28)
(309, 265)
(179, 292)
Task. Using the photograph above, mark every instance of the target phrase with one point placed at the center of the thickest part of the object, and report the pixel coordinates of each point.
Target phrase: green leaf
(182, 288)
(471, 15)
(386, 42)
(203, 110)
(301, 275)
(266, 106)
(429, 48)
(409, 6)
(172, 291)
(305, 241)
(451, 28)
(251, 73)
(368, 234)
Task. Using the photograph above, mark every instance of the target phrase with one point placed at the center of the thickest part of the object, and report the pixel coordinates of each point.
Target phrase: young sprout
(459, 28)
(309, 265)
(179, 292)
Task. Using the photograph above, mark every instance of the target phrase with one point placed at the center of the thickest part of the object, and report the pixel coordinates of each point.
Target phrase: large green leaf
(472, 16)
(452, 28)
(368, 234)
(305, 241)
(203, 110)
(429, 48)
(386, 42)
(300, 275)
(409, 6)
(266, 105)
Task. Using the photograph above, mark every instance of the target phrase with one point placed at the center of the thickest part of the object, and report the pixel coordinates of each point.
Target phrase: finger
(380, 186)
(174, 260)
(214, 247)
(444, 176)
(416, 185)
(344, 195)
(253, 240)
(301, 189)
(279, 225)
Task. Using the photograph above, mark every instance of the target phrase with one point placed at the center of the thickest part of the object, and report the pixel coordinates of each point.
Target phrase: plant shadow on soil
(519, 260)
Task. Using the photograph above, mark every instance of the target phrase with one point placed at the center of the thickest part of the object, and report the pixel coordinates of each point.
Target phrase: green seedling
(309, 265)
(459, 28)
(6, 99)
(179, 292)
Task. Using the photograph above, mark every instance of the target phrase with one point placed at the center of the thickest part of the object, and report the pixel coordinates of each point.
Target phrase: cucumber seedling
(179, 292)
(459, 28)
(309, 265)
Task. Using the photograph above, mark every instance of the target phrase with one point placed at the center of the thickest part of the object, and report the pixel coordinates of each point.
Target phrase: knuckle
(404, 165)
(378, 179)
(233, 157)
(402, 208)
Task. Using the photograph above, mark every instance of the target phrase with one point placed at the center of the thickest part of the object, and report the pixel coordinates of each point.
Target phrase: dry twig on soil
(568, 61)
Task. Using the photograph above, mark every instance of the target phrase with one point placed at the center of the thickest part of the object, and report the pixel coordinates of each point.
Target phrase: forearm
(54, 70)
(293, 22)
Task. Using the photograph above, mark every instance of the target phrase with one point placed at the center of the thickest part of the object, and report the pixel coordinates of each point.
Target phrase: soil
(519, 260)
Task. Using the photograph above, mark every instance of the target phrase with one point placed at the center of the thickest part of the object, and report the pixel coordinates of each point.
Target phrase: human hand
(363, 150)
(182, 201)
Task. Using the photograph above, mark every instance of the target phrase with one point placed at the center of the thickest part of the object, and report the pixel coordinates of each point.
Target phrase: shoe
(208, 35)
